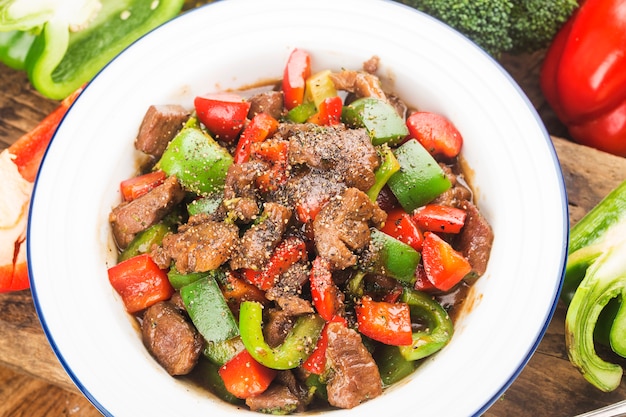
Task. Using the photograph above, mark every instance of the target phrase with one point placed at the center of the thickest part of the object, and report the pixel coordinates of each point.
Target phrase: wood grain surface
(33, 383)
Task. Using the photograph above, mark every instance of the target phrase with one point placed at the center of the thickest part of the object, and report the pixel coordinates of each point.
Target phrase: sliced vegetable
(319, 87)
(437, 326)
(329, 113)
(444, 266)
(389, 323)
(179, 280)
(207, 375)
(14, 47)
(420, 178)
(143, 241)
(381, 120)
(327, 298)
(595, 276)
(237, 290)
(260, 128)
(296, 348)
(275, 152)
(223, 114)
(209, 311)
(389, 165)
(301, 113)
(296, 72)
(140, 283)
(392, 257)
(439, 218)
(392, 365)
(197, 160)
(244, 377)
(400, 225)
(68, 53)
(134, 187)
(316, 363)
(436, 133)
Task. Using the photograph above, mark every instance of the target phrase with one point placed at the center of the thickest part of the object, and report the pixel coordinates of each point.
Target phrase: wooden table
(32, 382)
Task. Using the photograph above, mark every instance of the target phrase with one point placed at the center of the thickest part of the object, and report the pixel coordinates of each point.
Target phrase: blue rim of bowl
(562, 196)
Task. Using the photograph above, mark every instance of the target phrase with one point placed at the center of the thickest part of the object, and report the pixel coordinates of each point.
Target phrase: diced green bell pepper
(142, 243)
(379, 118)
(197, 160)
(319, 87)
(438, 330)
(221, 352)
(208, 310)
(206, 375)
(302, 112)
(392, 257)
(62, 58)
(392, 365)
(298, 345)
(207, 205)
(420, 178)
(595, 287)
(387, 168)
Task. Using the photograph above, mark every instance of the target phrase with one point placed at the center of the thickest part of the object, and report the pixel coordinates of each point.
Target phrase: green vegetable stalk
(501, 25)
(595, 276)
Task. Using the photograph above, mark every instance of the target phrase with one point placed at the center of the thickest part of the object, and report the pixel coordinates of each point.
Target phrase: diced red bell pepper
(329, 113)
(316, 362)
(422, 283)
(288, 252)
(399, 224)
(276, 152)
(132, 188)
(388, 323)
(244, 377)
(327, 298)
(444, 266)
(260, 128)
(439, 218)
(296, 72)
(436, 133)
(237, 290)
(223, 114)
(140, 283)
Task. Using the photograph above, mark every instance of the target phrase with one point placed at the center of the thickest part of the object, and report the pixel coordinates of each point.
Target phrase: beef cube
(160, 124)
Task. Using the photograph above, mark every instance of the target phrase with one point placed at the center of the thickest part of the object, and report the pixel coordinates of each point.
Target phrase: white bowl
(236, 43)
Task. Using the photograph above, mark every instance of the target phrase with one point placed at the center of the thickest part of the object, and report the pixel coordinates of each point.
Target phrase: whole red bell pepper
(583, 76)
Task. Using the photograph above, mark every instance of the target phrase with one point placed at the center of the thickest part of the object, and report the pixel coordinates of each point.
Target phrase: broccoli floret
(501, 25)
(535, 22)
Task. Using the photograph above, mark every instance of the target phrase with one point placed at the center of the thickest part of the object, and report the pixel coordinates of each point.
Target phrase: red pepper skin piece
(132, 188)
(30, 148)
(329, 113)
(140, 283)
(584, 75)
(388, 323)
(436, 133)
(297, 70)
(400, 225)
(316, 362)
(237, 290)
(223, 114)
(327, 298)
(444, 266)
(288, 252)
(260, 128)
(439, 218)
(244, 377)
(422, 283)
(276, 152)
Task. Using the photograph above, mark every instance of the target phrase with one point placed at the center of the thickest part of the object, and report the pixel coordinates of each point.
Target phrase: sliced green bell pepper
(14, 46)
(298, 345)
(379, 118)
(75, 43)
(387, 168)
(206, 375)
(438, 330)
(208, 310)
(420, 178)
(142, 243)
(392, 365)
(197, 160)
(595, 287)
(392, 257)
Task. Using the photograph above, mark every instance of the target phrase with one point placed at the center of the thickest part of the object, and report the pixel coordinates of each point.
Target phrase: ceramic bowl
(236, 43)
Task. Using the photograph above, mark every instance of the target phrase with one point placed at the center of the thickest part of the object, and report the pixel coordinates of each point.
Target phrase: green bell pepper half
(438, 330)
(197, 160)
(63, 58)
(392, 257)
(595, 288)
(14, 47)
(298, 345)
(379, 118)
(420, 178)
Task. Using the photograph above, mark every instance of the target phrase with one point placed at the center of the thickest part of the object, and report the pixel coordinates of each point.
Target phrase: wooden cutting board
(548, 386)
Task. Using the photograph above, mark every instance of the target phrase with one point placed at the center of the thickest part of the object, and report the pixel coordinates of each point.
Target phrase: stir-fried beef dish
(288, 256)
